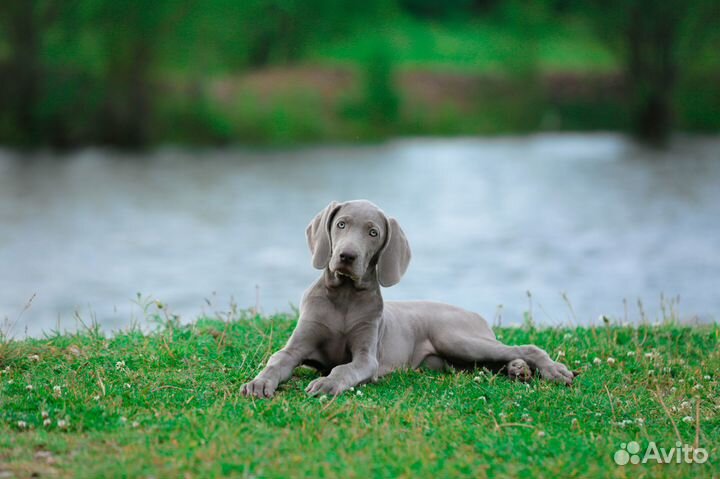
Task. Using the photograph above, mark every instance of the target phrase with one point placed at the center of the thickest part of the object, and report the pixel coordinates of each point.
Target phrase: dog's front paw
(557, 372)
(259, 388)
(325, 385)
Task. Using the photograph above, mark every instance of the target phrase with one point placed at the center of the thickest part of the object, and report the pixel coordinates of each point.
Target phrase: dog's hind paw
(519, 370)
(557, 372)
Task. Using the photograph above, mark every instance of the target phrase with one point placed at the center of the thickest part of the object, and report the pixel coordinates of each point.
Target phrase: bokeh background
(554, 160)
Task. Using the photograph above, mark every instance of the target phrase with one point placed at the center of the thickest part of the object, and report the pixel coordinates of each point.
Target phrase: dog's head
(353, 238)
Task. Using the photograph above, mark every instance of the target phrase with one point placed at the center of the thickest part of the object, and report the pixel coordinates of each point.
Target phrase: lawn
(166, 404)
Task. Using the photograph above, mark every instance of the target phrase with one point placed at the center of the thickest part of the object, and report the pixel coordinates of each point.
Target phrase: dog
(348, 333)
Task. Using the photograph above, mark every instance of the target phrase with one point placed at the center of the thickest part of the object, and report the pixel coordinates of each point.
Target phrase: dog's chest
(336, 350)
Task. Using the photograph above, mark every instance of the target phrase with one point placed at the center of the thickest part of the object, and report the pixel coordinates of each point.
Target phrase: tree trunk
(651, 74)
(23, 70)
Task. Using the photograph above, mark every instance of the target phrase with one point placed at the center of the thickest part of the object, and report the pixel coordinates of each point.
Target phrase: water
(593, 216)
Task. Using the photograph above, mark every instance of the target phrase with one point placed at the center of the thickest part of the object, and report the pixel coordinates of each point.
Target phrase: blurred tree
(381, 97)
(132, 31)
(655, 41)
(23, 25)
(277, 31)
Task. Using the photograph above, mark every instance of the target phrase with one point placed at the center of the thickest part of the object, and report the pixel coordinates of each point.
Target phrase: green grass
(166, 404)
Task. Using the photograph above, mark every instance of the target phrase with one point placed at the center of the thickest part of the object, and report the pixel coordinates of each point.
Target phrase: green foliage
(167, 404)
(378, 104)
(132, 74)
(434, 9)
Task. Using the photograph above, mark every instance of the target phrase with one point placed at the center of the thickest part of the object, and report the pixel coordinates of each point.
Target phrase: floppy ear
(395, 255)
(318, 235)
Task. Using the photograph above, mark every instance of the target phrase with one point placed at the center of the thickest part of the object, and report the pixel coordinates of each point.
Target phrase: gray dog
(347, 332)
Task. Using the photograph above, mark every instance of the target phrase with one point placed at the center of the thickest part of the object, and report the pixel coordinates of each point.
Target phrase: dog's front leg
(280, 366)
(362, 368)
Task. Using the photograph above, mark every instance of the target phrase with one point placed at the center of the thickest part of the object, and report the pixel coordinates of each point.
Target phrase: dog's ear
(318, 235)
(395, 255)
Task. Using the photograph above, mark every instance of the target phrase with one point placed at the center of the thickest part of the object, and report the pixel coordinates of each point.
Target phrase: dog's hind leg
(455, 346)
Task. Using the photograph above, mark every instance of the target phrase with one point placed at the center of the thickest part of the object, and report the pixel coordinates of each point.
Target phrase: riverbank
(166, 404)
(315, 103)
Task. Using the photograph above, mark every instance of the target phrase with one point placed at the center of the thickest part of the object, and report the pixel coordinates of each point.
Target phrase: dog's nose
(347, 257)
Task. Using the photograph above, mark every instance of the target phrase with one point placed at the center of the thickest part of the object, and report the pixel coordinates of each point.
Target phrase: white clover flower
(62, 423)
(352, 388)
(123, 419)
(687, 419)
(611, 361)
(10, 381)
(477, 379)
(630, 353)
(120, 365)
(541, 433)
(22, 424)
(47, 422)
(560, 353)
(135, 424)
(45, 414)
(29, 387)
(649, 355)
(96, 397)
(577, 361)
(706, 378)
(597, 360)
(673, 389)
(358, 393)
(34, 357)
(685, 405)
(698, 387)
(323, 398)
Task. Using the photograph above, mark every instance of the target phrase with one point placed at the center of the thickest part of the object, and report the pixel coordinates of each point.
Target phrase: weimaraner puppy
(346, 331)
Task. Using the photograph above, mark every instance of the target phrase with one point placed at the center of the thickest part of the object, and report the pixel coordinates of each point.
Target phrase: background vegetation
(167, 405)
(134, 73)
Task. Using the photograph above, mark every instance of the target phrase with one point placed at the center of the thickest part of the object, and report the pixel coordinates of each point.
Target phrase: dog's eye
(373, 232)
(341, 224)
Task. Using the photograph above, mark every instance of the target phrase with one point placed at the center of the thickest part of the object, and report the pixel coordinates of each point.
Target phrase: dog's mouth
(346, 274)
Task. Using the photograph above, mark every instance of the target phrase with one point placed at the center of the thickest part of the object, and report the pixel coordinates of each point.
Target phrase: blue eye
(341, 224)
